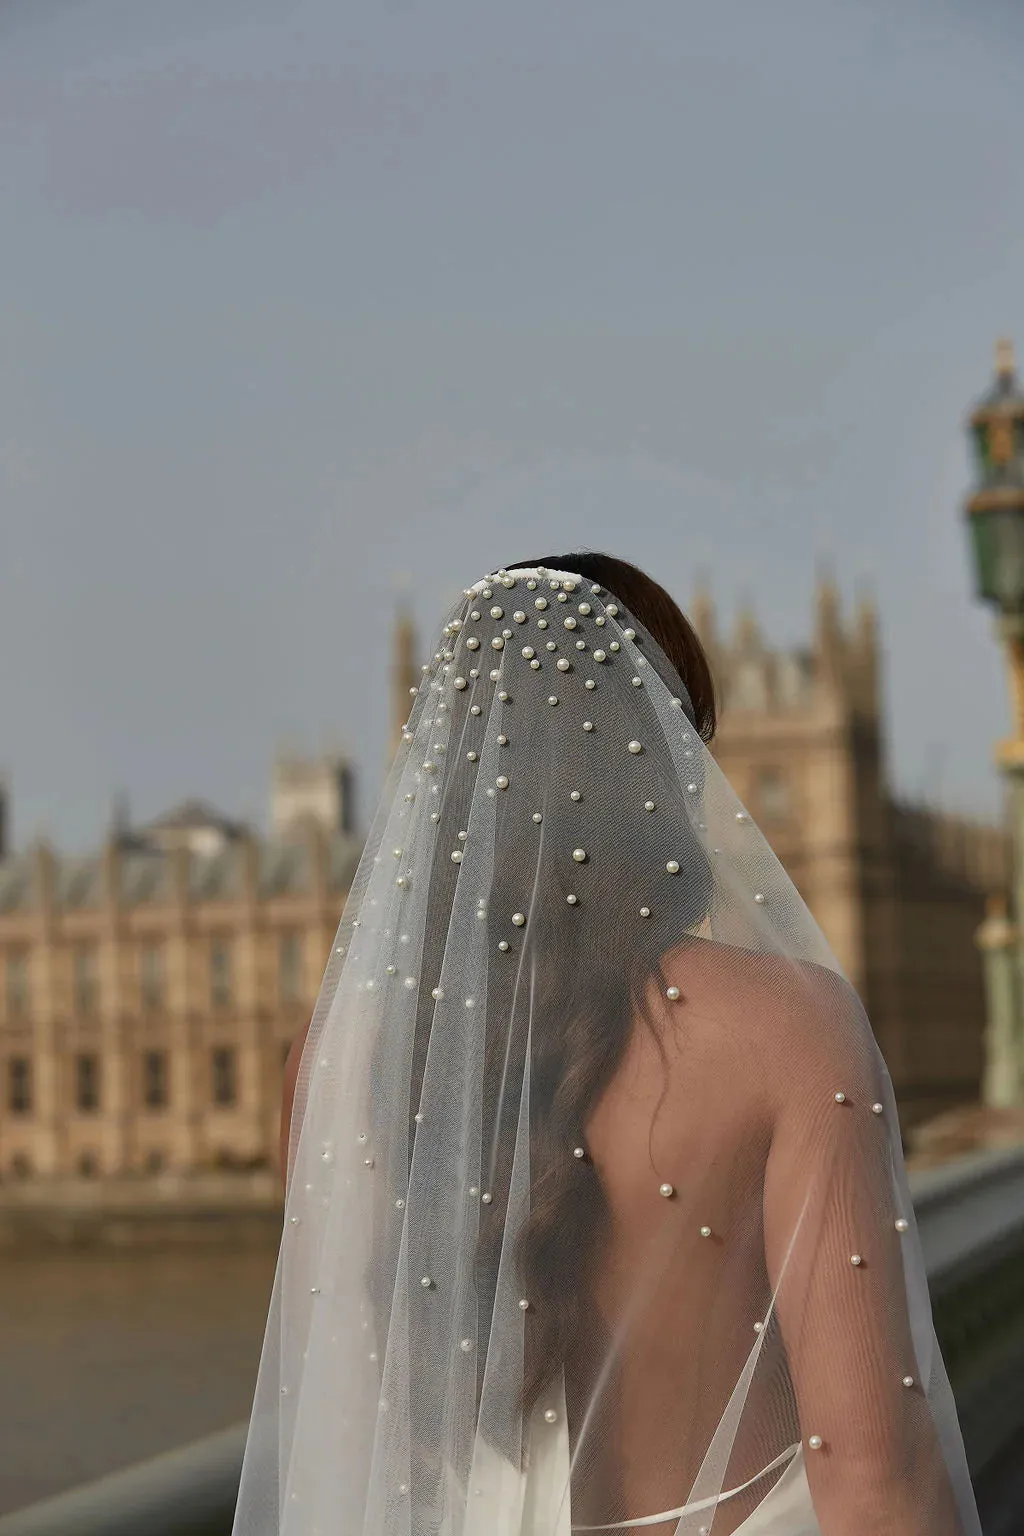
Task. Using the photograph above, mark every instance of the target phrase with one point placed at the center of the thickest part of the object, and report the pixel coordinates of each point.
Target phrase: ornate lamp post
(995, 516)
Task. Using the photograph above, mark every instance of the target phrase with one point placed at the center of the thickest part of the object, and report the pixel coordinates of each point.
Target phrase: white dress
(507, 1501)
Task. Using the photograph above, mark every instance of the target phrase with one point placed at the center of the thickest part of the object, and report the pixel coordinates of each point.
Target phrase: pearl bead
(503, 696)
(472, 644)
(878, 1109)
(497, 613)
(538, 818)
(436, 994)
(667, 1191)
(418, 1117)
(574, 794)
(535, 665)
(552, 699)
(562, 664)
(427, 1283)
(590, 683)
(583, 608)
(588, 725)
(908, 1381)
(572, 900)
(542, 623)
(474, 709)
(519, 616)
(466, 1345)
(901, 1224)
(456, 855)
(471, 757)
(497, 644)
(856, 1260)
(648, 805)
(705, 1231)
(645, 911)
(518, 919)
(524, 1305)
(550, 1416)
(815, 1442)
(758, 1327)
(540, 602)
(638, 682)
(502, 781)
(399, 1204)
(614, 646)
(503, 945)
(502, 740)
(611, 608)
(599, 656)
(579, 855)
(635, 746)
(569, 623)
(486, 1198)
(691, 789)
(579, 1153)
(840, 1098)
(759, 899)
(629, 634)
(673, 866)
(672, 993)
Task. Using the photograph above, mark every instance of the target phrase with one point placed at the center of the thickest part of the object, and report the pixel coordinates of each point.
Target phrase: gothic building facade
(899, 890)
(149, 994)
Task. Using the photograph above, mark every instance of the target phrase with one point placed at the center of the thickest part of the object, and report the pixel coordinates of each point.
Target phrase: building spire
(1006, 365)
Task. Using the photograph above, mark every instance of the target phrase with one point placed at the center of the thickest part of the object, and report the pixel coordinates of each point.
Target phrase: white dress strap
(702, 1504)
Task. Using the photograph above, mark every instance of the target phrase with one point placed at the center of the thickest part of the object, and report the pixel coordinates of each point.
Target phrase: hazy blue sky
(299, 300)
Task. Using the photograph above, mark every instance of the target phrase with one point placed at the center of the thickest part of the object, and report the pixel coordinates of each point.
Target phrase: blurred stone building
(150, 992)
(899, 890)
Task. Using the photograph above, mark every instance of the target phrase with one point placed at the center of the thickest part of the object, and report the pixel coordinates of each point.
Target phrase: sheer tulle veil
(596, 1212)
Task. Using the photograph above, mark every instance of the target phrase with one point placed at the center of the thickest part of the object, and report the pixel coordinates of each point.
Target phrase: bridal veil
(597, 1216)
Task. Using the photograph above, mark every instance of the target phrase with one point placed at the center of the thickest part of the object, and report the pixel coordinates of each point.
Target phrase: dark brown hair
(581, 1032)
(660, 615)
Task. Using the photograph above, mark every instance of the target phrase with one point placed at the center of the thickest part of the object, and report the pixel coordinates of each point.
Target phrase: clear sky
(301, 302)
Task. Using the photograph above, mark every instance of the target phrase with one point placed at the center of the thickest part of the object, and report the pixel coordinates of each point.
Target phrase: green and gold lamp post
(995, 516)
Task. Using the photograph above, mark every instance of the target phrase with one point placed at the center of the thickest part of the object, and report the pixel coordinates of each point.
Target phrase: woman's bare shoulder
(778, 1007)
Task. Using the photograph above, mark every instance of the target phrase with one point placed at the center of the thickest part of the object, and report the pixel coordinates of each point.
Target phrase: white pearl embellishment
(878, 1109)
(579, 1153)
(759, 899)
(815, 1442)
(667, 1191)
(579, 855)
(427, 1283)
(672, 993)
(705, 1231)
(550, 1416)
(673, 866)
(645, 911)
(524, 1305)
(840, 1098)
(856, 1260)
(635, 746)
(901, 1224)
(908, 1381)
(518, 919)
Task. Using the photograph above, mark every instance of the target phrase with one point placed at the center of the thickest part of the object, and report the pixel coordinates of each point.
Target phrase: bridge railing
(971, 1219)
